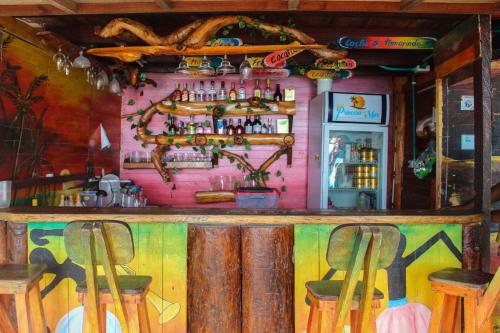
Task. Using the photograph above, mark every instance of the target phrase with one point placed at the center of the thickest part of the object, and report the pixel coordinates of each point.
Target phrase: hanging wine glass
(225, 67)
(183, 67)
(114, 86)
(245, 69)
(102, 80)
(59, 59)
(91, 75)
(67, 67)
(81, 61)
(205, 67)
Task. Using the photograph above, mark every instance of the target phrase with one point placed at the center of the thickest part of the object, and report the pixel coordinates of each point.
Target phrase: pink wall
(190, 181)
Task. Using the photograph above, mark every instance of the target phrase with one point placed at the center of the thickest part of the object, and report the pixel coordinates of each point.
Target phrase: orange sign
(277, 59)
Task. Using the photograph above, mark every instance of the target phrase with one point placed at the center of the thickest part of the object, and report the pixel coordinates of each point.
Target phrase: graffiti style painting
(160, 252)
(407, 294)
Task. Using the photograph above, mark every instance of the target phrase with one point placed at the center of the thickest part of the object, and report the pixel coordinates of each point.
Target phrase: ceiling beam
(293, 4)
(67, 6)
(409, 4)
(163, 4)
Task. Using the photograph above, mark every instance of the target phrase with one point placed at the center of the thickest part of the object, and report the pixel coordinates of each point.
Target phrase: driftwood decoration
(193, 38)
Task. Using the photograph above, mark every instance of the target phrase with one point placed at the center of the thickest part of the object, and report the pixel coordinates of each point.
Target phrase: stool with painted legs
(480, 293)
(107, 243)
(352, 248)
(22, 281)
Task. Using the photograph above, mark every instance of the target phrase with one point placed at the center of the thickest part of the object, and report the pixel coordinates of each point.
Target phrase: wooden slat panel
(462, 59)
(462, 37)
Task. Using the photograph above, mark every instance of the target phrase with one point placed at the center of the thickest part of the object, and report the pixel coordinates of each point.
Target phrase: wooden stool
(480, 292)
(22, 282)
(352, 248)
(107, 243)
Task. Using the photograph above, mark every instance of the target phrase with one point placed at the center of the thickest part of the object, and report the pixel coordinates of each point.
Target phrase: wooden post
(3, 242)
(399, 138)
(268, 278)
(482, 133)
(214, 279)
(17, 243)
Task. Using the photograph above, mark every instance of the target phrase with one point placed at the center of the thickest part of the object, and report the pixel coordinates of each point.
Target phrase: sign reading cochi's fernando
(381, 42)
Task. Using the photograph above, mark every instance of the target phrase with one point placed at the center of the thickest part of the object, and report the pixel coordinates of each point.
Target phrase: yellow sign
(336, 64)
(328, 74)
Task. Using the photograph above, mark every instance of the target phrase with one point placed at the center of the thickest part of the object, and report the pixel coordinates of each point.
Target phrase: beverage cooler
(347, 166)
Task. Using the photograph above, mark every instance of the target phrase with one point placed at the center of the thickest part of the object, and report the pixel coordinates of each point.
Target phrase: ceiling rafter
(293, 4)
(163, 4)
(67, 6)
(409, 4)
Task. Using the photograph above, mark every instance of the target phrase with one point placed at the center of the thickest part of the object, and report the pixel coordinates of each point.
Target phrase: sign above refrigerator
(358, 108)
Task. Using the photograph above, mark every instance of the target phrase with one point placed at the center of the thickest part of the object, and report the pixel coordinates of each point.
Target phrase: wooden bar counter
(231, 270)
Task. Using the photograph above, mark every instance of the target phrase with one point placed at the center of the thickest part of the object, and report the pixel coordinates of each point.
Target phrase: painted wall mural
(160, 252)
(423, 249)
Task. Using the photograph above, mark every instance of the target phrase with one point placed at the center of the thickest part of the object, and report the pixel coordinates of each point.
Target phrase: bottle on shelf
(207, 129)
(270, 128)
(278, 97)
(264, 128)
(192, 93)
(180, 128)
(256, 90)
(230, 129)
(191, 125)
(185, 93)
(172, 129)
(257, 125)
(177, 93)
(232, 92)
(201, 95)
(222, 92)
(248, 125)
(199, 128)
(242, 93)
(212, 93)
(240, 129)
(220, 127)
(268, 94)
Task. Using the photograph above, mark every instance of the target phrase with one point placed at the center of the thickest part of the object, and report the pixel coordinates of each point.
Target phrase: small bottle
(268, 94)
(240, 129)
(199, 128)
(78, 201)
(232, 93)
(34, 202)
(191, 125)
(230, 130)
(257, 125)
(207, 129)
(248, 126)
(212, 93)
(172, 129)
(270, 128)
(61, 200)
(185, 93)
(192, 94)
(256, 90)
(242, 93)
(220, 126)
(177, 93)
(222, 92)
(264, 128)
(278, 97)
(180, 128)
(201, 94)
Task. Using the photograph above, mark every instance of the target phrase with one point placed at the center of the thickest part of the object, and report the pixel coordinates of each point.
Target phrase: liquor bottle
(278, 97)
(268, 94)
(199, 128)
(232, 92)
(242, 93)
(240, 129)
(191, 125)
(264, 128)
(180, 128)
(192, 94)
(230, 130)
(257, 125)
(220, 126)
(208, 127)
(185, 93)
(172, 129)
(201, 94)
(212, 93)
(222, 92)
(270, 128)
(248, 126)
(256, 90)
(177, 92)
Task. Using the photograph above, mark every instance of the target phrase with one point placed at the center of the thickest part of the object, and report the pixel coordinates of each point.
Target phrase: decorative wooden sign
(384, 42)
(258, 62)
(270, 73)
(225, 41)
(328, 74)
(277, 59)
(336, 64)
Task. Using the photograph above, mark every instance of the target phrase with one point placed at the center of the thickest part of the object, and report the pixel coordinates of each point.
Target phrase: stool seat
(329, 290)
(129, 284)
(17, 278)
(462, 278)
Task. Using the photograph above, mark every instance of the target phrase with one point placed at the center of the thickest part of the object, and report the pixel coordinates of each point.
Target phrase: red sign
(278, 58)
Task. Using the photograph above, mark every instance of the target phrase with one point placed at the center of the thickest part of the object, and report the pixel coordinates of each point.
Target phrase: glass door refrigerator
(347, 149)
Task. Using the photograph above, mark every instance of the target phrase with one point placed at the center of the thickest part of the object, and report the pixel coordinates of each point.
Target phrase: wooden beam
(293, 4)
(67, 6)
(409, 4)
(163, 4)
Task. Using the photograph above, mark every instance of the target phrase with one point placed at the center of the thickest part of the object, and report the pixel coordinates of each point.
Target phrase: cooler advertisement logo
(357, 108)
(381, 42)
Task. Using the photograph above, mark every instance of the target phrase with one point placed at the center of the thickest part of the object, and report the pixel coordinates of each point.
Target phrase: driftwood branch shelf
(170, 165)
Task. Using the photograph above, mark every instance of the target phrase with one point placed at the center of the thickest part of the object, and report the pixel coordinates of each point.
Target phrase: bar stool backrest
(117, 234)
(343, 239)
